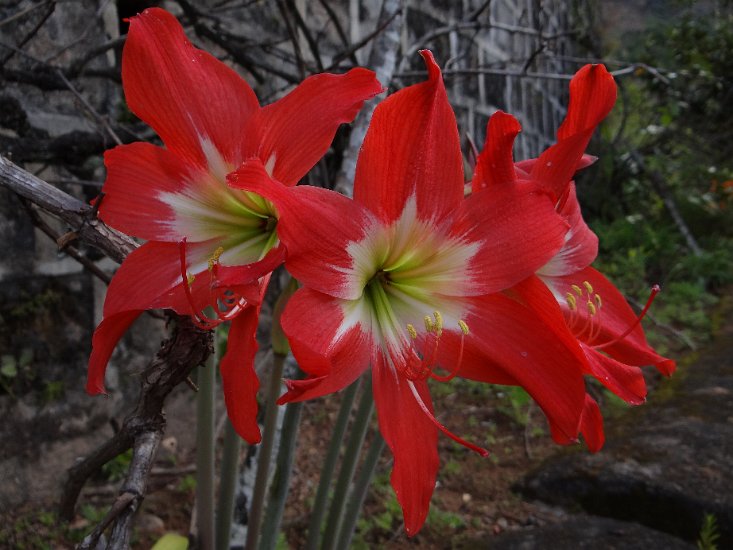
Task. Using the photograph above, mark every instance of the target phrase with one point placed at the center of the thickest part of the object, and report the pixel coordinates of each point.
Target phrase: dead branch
(31, 33)
(339, 29)
(312, 43)
(381, 27)
(383, 60)
(40, 223)
(663, 190)
(79, 216)
(142, 430)
(293, 34)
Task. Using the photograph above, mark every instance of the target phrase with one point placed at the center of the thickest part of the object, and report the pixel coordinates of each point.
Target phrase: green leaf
(171, 541)
(8, 368)
(26, 357)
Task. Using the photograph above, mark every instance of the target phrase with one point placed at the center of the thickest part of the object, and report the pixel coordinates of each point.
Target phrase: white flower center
(406, 270)
(243, 223)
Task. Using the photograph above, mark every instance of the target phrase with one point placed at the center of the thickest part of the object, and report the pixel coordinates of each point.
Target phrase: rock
(584, 532)
(150, 524)
(667, 465)
(667, 478)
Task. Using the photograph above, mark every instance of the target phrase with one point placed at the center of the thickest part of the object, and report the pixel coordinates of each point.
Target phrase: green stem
(265, 452)
(281, 480)
(359, 491)
(348, 464)
(227, 485)
(205, 454)
(329, 467)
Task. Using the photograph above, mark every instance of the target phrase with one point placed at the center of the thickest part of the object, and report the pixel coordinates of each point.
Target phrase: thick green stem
(265, 452)
(348, 464)
(329, 466)
(205, 435)
(227, 485)
(281, 481)
(359, 491)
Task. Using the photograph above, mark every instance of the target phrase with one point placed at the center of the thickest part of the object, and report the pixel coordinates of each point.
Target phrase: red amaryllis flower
(408, 277)
(594, 311)
(204, 237)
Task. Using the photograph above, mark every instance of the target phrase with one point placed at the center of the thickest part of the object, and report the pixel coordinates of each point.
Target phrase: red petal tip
(430, 63)
(99, 390)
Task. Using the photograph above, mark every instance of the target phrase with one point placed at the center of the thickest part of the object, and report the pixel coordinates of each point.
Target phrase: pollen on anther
(429, 326)
(577, 290)
(597, 298)
(588, 287)
(438, 320)
(570, 299)
(591, 308)
(411, 331)
(215, 257)
(464, 326)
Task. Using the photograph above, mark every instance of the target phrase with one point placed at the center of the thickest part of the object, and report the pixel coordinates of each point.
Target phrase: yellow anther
(429, 326)
(591, 308)
(464, 326)
(215, 257)
(190, 278)
(438, 321)
(588, 287)
(411, 330)
(570, 299)
(597, 298)
(577, 290)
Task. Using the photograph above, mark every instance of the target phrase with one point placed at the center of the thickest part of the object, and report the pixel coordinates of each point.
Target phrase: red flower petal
(136, 176)
(592, 95)
(105, 338)
(495, 164)
(581, 244)
(313, 322)
(624, 380)
(241, 277)
(518, 231)
(524, 167)
(591, 425)
(412, 148)
(184, 93)
(298, 129)
(413, 439)
(238, 377)
(513, 338)
(150, 275)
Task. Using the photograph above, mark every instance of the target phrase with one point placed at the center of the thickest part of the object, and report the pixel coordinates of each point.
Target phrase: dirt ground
(473, 500)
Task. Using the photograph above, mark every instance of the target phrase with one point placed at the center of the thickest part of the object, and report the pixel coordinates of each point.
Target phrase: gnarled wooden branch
(79, 216)
(142, 430)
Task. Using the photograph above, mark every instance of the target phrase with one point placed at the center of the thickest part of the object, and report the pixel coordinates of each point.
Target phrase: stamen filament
(186, 285)
(655, 290)
(452, 374)
(199, 318)
(480, 450)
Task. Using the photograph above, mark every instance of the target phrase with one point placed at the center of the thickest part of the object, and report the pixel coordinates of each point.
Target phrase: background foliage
(668, 142)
